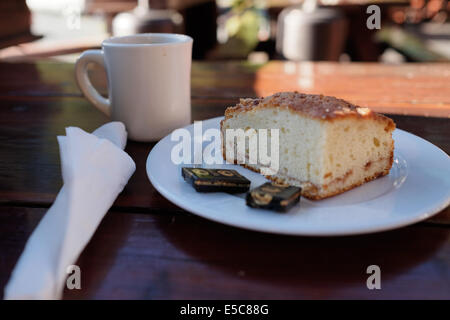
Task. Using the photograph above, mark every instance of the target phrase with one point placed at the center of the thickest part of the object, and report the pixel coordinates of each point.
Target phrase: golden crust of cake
(314, 106)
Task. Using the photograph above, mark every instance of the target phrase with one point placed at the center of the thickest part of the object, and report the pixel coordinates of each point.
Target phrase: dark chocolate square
(274, 196)
(215, 180)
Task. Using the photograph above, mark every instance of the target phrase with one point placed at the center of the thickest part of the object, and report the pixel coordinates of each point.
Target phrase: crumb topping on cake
(310, 105)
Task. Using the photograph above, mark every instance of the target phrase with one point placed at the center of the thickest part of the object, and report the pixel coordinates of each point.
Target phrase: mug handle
(85, 85)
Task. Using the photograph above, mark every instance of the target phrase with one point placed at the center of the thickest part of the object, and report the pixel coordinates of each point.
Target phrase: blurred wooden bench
(15, 23)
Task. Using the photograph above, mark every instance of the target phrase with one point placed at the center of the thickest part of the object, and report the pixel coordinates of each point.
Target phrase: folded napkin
(95, 169)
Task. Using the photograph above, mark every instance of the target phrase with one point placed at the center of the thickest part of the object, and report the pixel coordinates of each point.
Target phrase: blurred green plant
(242, 27)
(409, 44)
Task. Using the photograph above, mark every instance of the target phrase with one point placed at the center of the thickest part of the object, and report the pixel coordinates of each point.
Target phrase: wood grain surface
(180, 256)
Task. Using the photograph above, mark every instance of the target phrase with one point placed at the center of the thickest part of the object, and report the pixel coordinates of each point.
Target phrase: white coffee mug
(149, 82)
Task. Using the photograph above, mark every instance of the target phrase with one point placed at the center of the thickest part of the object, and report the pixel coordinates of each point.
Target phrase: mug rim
(179, 39)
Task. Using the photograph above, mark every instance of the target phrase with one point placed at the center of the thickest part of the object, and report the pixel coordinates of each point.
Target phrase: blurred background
(256, 30)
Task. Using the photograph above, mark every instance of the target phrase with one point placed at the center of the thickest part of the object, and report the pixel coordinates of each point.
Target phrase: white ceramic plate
(417, 187)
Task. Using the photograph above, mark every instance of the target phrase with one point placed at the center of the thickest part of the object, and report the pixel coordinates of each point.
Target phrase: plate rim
(364, 230)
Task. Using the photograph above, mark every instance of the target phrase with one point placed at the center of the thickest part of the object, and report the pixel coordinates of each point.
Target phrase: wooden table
(148, 248)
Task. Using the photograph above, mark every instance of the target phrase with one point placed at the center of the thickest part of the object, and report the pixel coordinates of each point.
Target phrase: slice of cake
(326, 145)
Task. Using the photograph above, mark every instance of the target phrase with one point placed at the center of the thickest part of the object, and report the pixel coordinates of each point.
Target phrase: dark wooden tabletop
(148, 248)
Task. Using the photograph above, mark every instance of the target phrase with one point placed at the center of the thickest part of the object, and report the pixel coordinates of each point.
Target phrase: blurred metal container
(317, 34)
(145, 20)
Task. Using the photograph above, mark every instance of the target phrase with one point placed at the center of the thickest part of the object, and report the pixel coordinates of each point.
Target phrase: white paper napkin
(95, 170)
